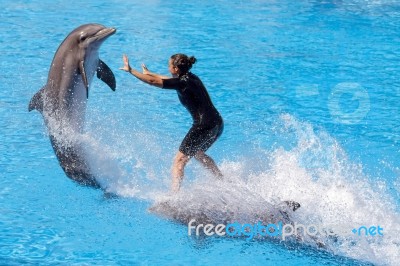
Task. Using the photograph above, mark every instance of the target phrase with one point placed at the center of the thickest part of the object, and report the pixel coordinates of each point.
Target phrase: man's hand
(145, 69)
(126, 66)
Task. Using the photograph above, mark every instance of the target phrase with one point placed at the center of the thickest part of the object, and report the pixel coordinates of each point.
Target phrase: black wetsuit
(207, 122)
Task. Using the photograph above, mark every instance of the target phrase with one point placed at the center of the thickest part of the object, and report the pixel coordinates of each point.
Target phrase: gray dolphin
(62, 101)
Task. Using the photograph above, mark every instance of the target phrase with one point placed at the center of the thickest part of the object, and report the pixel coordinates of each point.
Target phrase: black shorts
(200, 138)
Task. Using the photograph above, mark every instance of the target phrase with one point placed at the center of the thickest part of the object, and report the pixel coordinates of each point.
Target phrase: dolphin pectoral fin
(106, 75)
(36, 103)
(84, 77)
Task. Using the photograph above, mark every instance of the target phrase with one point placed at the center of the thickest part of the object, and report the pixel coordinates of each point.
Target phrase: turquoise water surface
(309, 92)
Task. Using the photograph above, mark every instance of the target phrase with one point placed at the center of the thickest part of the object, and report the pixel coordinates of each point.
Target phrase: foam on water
(310, 167)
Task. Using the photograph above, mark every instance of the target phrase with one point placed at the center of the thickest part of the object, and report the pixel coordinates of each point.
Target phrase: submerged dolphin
(62, 101)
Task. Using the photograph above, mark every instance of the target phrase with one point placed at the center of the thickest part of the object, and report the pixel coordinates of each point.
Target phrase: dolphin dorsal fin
(36, 103)
(106, 75)
(293, 205)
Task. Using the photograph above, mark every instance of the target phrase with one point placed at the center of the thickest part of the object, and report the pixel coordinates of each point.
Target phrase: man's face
(172, 69)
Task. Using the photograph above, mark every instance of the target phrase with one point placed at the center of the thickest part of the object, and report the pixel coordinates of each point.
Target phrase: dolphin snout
(104, 33)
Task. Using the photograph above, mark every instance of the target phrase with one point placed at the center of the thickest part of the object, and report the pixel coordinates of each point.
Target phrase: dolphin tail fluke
(36, 102)
(105, 74)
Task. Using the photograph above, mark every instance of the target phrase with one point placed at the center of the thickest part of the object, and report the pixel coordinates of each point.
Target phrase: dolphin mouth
(104, 33)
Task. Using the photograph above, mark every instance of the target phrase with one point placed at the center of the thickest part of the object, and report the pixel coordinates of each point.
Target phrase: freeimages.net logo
(283, 231)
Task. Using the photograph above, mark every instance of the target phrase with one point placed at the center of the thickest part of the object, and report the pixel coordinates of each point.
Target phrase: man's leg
(208, 163)
(178, 167)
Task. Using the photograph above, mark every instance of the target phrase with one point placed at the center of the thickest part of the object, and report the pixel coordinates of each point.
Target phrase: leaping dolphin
(62, 101)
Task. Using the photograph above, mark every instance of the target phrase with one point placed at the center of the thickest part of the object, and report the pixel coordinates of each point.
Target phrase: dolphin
(62, 101)
(216, 204)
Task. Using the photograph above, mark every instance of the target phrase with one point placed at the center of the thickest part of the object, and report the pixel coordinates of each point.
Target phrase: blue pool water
(309, 91)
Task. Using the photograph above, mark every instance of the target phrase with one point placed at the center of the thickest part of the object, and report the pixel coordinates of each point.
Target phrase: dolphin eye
(82, 37)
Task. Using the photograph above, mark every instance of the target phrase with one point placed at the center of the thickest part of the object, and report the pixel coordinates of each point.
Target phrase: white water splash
(315, 172)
